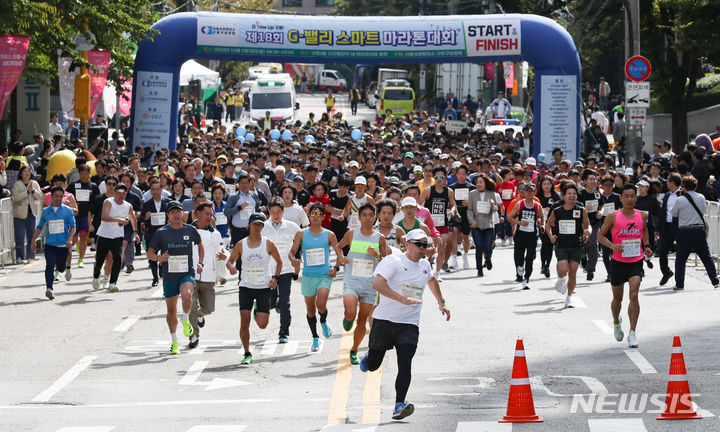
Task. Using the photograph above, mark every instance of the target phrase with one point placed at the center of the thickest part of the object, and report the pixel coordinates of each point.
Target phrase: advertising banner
(559, 114)
(66, 80)
(13, 52)
(153, 109)
(100, 61)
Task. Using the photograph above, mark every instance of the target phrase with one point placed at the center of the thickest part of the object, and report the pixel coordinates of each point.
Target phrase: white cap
(437, 151)
(643, 183)
(444, 156)
(416, 234)
(360, 180)
(629, 171)
(237, 161)
(354, 164)
(417, 168)
(408, 202)
(280, 168)
(456, 164)
(530, 161)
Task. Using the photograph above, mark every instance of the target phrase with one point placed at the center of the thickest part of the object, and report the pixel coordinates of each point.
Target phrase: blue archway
(543, 43)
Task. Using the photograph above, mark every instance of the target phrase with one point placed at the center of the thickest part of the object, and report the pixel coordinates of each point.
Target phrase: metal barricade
(712, 218)
(7, 232)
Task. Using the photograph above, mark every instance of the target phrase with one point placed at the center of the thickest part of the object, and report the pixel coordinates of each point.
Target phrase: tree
(52, 24)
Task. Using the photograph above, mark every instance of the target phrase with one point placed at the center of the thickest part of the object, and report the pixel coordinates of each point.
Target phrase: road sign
(637, 94)
(636, 116)
(637, 68)
(455, 125)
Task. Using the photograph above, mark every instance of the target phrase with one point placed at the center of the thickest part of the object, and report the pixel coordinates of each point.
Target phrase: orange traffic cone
(202, 122)
(678, 403)
(520, 407)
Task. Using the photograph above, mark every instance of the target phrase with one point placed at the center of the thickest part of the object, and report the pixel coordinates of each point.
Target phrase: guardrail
(7, 232)
(712, 217)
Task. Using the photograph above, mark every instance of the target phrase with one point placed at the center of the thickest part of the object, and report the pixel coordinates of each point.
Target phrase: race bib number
(462, 194)
(315, 257)
(230, 189)
(56, 226)
(254, 276)
(208, 195)
(157, 219)
(246, 212)
(530, 226)
(188, 192)
(438, 220)
(178, 264)
(631, 248)
(362, 267)
(413, 290)
(483, 207)
(82, 195)
(220, 219)
(282, 247)
(591, 205)
(336, 213)
(507, 194)
(566, 227)
(609, 208)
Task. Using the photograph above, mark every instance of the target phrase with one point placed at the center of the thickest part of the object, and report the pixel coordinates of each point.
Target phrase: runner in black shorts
(461, 231)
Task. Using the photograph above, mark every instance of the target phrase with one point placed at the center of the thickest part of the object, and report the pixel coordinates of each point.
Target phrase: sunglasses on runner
(317, 213)
(439, 177)
(421, 245)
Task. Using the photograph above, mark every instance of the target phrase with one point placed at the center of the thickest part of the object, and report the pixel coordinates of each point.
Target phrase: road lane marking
(578, 303)
(193, 373)
(291, 347)
(127, 323)
(55, 407)
(217, 428)
(30, 264)
(337, 411)
(371, 396)
(268, 347)
(603, 326)
(640, 361)
(614, 425)
(87, 429)
(191, 378)
(65, 379)
(486, 426)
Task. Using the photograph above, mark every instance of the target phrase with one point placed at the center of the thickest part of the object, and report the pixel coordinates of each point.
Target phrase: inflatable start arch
(387, 40)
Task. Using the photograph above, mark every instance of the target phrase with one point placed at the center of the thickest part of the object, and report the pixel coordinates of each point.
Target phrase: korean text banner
(13, 51)
(101, 62)
(284, 36)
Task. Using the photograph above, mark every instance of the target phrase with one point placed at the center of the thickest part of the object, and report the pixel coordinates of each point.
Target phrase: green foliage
(51, 25)
(708, 82)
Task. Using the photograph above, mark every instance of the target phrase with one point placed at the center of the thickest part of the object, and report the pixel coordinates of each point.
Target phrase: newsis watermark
(632, 403)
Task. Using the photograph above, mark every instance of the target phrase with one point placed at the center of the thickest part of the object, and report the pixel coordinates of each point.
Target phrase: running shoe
(590, 275)
(568, 303)
(247, 360)
(446, 269)
(353, 358)
(632, 339)
(619, 335)
(174, 347)
(525, 285)
(560, 286)
(327, 331)
(283, 339)
(188, 329)
(518, 278)
(194, 342)
(546, 272)
(503, 243)
(81, 264)
(466, 262)
(49, 294)
(104, 282)
(347, 325)
(315, 345)
(717, 285)
(438, 277)
(677, 288)
(453, 262)
(402, 410)
(96, 283)
(480, 273)
(155, 283)
(363, 363)
(113, 288)
(57, 275)
(130, 269)
(488, 264)
(201, 322)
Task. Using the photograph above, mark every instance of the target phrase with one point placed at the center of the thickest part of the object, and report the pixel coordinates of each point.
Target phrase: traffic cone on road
(202, 122)
(520, 407)
(678, 403)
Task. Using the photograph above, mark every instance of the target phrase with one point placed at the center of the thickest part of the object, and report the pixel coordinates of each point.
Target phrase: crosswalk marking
(603, 326)
(484, 426)
(577, 302)
(217, 428)
(616, 425)
(65, 379)
(127, 323)
(291, 347)
(87, 429)
(640, 361)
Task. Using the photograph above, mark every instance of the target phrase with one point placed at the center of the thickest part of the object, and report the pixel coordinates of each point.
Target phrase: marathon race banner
(153, 109)
(280, 36)
(101, 62)
(13, 52)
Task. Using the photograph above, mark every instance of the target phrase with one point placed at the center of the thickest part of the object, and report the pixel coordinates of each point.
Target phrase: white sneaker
(466, 262)
(504, 241)
(560, 286)
(568, 302)
(619, 335)
(453, 262)
(521, 271)
(510, 241)
(57, 275)
(96, 283)
(104, 282)
(438, 277)
(632, 340)
(68, 275)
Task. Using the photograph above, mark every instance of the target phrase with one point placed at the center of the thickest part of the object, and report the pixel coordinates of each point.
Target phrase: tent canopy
(191, 70)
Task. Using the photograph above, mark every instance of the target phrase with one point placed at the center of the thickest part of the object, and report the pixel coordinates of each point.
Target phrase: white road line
(55, 407)
(200, 350)
(65, 379)
(127, 323)
(363, 427)
(703, 412)
(485, 426)
(217, 428)
(193, 373)
(87, 429)
(578, 303)
(640, 361)
(269, 347)
(291, 347)
(614, 425)
(603, 326)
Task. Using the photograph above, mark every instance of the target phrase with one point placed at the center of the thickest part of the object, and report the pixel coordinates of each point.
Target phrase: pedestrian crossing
(262, 348)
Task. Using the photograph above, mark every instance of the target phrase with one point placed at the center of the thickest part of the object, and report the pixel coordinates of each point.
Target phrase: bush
(707, 83)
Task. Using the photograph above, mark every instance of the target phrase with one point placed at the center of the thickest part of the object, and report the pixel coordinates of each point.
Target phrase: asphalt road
(92, 361)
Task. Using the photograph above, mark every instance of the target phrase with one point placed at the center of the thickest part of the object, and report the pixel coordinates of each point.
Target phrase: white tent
(192, 70)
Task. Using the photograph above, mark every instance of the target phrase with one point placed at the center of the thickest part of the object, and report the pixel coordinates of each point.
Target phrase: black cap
(174, 205)
(257, 217)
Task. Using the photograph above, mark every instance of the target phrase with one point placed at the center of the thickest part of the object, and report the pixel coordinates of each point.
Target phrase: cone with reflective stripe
(678, 403)
(202, 122)
(520, 407)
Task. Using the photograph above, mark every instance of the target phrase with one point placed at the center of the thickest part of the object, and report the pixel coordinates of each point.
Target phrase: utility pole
(633, 134)
(422, 84)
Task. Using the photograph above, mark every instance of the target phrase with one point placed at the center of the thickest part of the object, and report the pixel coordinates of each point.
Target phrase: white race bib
(438, 219)
(631, 248)
(188, 192)
(507, 194)
(230, 189)
(482, 207)
(362, 267)
(282, 246)
(609, 208)
(462, 194)
(412, 290)
(315, 257)
(336, 213)
(566, 227)
(157, 219)
(591, 205)
(208, 195)
(353, 221)
(82, 195)
(530, 227)
(220, 219)
(254, 276)
(546, 213)
(246, 212)
(56, 226)
(178, 264)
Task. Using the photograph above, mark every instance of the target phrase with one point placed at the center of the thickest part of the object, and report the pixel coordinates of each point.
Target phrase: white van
(274, 93)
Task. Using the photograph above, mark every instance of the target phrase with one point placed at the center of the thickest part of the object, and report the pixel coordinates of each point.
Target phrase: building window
(322, 3)
(292, 3)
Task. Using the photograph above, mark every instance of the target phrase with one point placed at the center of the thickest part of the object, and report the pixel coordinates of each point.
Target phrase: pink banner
(13, 52)
(126, 98)
(490, 71)
(100, 61)
(509, 69)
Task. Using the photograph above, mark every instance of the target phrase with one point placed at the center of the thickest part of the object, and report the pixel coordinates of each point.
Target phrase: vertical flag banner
(100, 60)
(508, 69)
(126, 98)
(13, 52)
(66, 80)
(490, 71)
